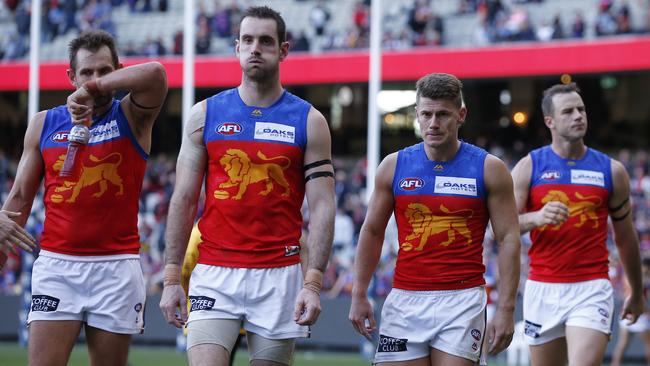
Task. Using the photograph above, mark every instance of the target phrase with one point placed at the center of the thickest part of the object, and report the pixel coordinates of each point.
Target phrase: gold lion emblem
(104, 171)
(242, 172)
(584, 207)
(425, 224)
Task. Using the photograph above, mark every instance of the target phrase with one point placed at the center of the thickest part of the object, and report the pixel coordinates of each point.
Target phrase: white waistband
(88, 258)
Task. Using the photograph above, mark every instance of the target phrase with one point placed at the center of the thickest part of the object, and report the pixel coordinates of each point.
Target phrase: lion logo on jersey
(242, 172)
(103, 171)
(584, 207)
(425, 224)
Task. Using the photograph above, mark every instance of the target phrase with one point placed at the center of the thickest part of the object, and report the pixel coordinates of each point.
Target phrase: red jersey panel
(94, 212)
(441, 218)
(575, 250)
(255, 182)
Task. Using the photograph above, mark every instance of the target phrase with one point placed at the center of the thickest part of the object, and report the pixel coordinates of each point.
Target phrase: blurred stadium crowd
(350, 192)
(319, 25)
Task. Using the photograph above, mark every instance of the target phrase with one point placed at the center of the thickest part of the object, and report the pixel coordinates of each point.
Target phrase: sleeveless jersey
(94, 212)
(575, 250)
(441, 216)
(255, 182)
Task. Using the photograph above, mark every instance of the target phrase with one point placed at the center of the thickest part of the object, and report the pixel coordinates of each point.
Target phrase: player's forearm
(321, 233)
(366, 260)
(629, 254)
(509, 266)
(179, 227)
(149, 78)
(527, 222)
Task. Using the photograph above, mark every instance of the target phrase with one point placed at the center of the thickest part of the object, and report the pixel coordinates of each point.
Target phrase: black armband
(614, 209)
(619, 218)
(140, 105)
(316, 164)
(318, 175)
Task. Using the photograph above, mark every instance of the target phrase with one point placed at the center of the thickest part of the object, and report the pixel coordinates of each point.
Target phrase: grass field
(12, 355)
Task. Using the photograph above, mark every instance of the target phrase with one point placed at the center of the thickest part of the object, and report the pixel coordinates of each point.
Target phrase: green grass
(12, 355)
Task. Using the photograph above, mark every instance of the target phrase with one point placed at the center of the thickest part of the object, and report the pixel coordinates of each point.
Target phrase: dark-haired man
(88, 271)
(565, 193)
(443, 192)
(261, 150)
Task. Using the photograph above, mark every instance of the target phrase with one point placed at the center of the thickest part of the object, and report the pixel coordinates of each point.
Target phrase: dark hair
(440, 86)
(92, 41)
(547, 100)
(264, 12)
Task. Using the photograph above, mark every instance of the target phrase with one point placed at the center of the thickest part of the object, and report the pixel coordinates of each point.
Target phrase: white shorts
(642, 324)
(262, 298)
(108, 294)
(412, 322)
(550, 307)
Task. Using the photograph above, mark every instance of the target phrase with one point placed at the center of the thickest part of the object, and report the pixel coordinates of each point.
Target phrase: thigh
(107, 348)
(586, 347)
(424, 361)
(57, 290)
(270, 301)
(217, 332)
(442, 358)
(268, 352)
(552, 353)
(117, 300)
(208, 355)
(544, 315)
(51, 341)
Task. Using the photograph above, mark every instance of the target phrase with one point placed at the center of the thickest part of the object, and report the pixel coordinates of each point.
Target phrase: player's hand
(13, 234)
(553, 213)
(500, 331)
(360, 313)
(307, 307)
(173, 298)
(80, 105)
(632, 309)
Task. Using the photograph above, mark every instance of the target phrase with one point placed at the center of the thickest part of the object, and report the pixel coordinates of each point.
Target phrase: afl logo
(411, 184)
(229, 128)
(551, 175)
(61, 136)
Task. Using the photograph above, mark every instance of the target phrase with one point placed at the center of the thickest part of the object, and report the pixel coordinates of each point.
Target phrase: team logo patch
(589, 177)
(274, 132)
(290, 250)
(59, 137)
(229, 128)
(551, 175)
(603, 312)
(44, 303)
(531, 329)
(424, 223)
(411, 184)
(138, 307)
(256, 113)
(476, 334)
(475, 346)
(455, 185)
(438, 167)
(390, 344)
(201, 303)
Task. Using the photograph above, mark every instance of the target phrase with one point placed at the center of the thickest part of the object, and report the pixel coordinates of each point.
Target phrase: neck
(100, 110)
(569, 149)
(443, 152)
(260, 93)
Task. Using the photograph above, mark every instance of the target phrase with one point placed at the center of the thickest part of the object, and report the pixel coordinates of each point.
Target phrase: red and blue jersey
(255, 182)
(441, 214)
(94, 212)
(575, 250)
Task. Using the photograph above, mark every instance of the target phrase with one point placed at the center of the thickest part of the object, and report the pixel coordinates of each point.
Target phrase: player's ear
(284, 50)
(71, 77)
(548, 121)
